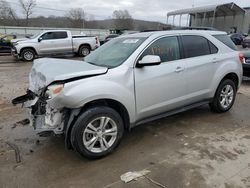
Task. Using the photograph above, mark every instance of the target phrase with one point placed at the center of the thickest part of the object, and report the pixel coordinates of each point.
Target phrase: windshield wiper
(91, 63)
(99, 65)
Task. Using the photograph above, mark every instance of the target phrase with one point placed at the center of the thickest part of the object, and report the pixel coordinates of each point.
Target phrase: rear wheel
(224, 97)
(28, 55)
(97, 132)
(84, 50)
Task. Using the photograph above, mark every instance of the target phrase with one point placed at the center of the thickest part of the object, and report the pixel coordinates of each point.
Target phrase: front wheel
(97, 132)
(224, 97)
(28, 55)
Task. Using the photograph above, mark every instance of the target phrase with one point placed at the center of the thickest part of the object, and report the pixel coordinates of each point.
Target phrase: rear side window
(226, 40)
(167, 48)
(60, 35)
(196, 46)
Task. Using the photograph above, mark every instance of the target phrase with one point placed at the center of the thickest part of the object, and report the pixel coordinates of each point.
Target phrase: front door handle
(179, 69)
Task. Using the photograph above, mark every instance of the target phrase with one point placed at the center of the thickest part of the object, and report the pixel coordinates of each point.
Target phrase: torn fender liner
(29, 96)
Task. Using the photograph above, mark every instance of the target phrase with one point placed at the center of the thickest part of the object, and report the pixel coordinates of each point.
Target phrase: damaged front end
(44, 117)
(45, 96)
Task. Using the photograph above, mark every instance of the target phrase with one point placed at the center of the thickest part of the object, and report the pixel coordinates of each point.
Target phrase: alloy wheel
(226, 96)
(100, 134)
(28, 55)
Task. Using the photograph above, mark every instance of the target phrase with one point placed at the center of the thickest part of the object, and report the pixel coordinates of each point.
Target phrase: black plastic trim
(170, 113)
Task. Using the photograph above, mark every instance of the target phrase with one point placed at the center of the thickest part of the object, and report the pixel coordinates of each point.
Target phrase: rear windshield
(226, 40)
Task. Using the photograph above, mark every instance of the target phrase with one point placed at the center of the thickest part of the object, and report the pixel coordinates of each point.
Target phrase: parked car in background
(5, 43)
(246, 42)
(110, 37)
(237, 38)
(246, 64)
(131, 80)
(54, 42)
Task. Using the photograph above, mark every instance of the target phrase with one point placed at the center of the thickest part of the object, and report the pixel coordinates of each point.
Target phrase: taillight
(242, 58)
(96, 41)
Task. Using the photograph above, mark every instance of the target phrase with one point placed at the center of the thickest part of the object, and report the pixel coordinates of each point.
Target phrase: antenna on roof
(193, 4)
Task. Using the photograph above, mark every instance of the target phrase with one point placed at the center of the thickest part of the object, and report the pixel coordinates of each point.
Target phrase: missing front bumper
(43, 117)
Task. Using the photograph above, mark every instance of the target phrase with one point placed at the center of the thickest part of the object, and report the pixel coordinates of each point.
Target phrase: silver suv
(129, 81)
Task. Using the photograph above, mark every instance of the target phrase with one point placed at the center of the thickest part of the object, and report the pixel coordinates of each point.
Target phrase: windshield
(115, 52)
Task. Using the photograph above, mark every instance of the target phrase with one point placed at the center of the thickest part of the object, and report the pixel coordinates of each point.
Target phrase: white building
(226, 17)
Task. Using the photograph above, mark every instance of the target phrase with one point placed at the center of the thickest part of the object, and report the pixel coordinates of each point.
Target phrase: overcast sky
(152, 10)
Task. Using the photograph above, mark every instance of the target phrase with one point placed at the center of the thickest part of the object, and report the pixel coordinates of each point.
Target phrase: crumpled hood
(47, 70)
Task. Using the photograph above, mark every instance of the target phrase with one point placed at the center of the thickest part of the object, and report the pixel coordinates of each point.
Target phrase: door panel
(55, 42)
(200, 73)
(47, 47)
(201, 61)
(161, 88)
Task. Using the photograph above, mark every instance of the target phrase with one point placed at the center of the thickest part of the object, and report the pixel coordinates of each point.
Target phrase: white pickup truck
(53, 42)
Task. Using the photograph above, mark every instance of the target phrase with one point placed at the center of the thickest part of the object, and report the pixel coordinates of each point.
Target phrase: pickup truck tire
(97, 132)
(28, 54)
(224, 97)
(84, 50)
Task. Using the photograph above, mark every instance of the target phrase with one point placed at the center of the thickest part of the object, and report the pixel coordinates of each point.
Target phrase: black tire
(84, 50)
(216, 105)
(80, 126)
(28, 54)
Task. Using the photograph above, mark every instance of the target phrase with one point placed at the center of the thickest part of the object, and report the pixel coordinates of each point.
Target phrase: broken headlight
(54, 90)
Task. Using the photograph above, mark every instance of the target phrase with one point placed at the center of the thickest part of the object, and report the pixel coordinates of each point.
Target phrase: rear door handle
(179, 69)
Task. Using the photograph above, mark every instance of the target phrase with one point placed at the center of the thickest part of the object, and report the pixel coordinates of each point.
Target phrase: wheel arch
(28, 47)
(85, 44)
(232, 76)
(72, 115)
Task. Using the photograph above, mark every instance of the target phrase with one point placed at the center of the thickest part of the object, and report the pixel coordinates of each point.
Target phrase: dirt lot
(195, 149)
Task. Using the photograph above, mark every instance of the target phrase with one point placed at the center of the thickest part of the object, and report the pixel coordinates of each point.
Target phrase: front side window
(195, 46)
(48, 36)
(167, 48)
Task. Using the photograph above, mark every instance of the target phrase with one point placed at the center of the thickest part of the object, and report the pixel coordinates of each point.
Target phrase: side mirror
(40, 39)
(149, 60)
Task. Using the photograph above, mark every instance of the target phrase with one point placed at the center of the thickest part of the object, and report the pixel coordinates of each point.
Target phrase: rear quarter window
(226, 40)
(213, 48)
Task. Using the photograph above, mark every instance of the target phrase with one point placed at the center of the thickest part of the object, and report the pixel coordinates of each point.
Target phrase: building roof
(228, 9)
